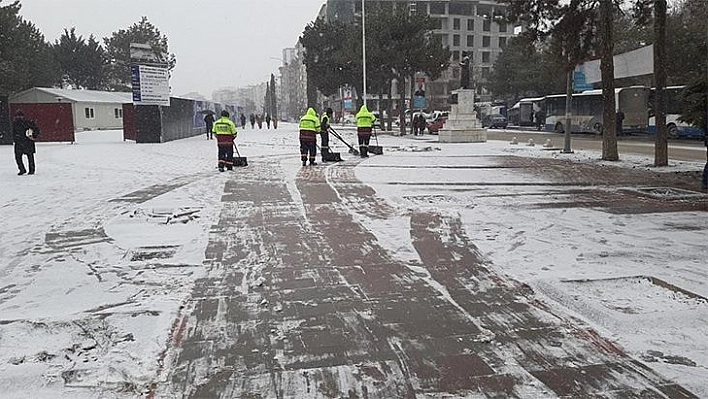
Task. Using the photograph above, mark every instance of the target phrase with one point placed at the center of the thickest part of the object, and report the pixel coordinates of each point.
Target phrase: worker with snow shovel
(324, 134)
(309, 127)
(225, 131)
(364, 126)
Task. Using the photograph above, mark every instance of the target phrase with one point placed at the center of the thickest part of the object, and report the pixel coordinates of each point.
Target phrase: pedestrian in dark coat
(267, 119)
(243, 121)
(252, 119)
(619, 119)
(24, 133)
(705, 169)
(209, 120)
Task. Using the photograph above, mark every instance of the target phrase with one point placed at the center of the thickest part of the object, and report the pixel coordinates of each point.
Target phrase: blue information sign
(579, 83)
(135, 82)
(419, 102)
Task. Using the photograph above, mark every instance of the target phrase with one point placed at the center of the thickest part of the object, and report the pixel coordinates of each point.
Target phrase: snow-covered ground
(101, 248)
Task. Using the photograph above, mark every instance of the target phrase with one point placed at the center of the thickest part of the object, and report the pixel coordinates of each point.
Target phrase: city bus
(674, 108)
(587, 108)
(524, 111)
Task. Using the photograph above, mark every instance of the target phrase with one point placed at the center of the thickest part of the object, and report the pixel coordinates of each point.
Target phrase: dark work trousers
(325, 144)
(308, 151)
(226, 157)
(308, 146)
(364, 135)
(20, 162)
(209, 133)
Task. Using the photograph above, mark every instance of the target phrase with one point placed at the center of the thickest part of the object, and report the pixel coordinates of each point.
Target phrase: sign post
(151, 85)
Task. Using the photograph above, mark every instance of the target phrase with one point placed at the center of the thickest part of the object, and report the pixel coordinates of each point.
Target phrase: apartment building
(467, 27)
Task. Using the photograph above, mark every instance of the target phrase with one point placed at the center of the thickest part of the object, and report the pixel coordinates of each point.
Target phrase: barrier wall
(158, 124)
(55, 120)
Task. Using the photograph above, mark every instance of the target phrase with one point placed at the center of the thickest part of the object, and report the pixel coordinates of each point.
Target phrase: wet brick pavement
(301, 301)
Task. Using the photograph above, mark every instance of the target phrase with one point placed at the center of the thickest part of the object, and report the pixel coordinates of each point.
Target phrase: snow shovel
(352, 150)
(330, 156)
(376, 149)
(239, 160)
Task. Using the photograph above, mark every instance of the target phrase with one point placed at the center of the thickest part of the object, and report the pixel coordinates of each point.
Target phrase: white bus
(587, 108)
(674, 108)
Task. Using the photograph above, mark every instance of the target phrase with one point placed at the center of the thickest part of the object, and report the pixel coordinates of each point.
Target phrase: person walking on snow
(24, 133)
(226, 133)
(364, 125)
(705, 168)
(309, 127)
(243, 121)
(267, 119)
(252, 119)
(324, 133)
(209, 120)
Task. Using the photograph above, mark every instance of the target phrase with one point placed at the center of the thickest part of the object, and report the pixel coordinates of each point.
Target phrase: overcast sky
(217, 43)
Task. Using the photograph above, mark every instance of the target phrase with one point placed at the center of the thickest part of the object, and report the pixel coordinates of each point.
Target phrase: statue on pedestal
(465, 73)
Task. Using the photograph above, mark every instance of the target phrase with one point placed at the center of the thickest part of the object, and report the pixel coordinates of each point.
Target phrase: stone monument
(462, 125)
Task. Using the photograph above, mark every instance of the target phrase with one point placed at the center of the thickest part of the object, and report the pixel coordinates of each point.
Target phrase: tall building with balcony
(292, 92)
(467, 27)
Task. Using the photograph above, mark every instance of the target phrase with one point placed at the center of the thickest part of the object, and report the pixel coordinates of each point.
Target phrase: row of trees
(560, 35)
(398, 45)
(270, 102)
(28, 60)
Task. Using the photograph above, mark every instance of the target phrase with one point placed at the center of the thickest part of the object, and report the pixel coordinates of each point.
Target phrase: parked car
(378, 123)
(434, 125)
(494, 121)
(348, 119)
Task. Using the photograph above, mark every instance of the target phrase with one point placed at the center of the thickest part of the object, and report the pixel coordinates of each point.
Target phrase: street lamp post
(363, 44)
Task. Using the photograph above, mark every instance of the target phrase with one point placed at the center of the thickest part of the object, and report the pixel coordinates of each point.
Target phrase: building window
(486, 41)
(437, 7)
(456, 55)
(460, 8)
(456, 40)
(470, 40)
(118, 113)
(485, 56)
(455, 24)
(421, 8)
(502, 26)
(437, 23)
(487, 25)
(502, 42)
(89, 113)
(470, 24)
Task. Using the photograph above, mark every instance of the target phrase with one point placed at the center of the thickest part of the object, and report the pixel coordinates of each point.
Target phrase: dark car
(494, 121)
(435, 125)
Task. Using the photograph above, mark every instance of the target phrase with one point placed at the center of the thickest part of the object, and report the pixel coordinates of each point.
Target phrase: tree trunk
(568, 112)
(311, 92)
(607, 69)
(389, 108)
(400, 85)
(661, 148)
(412, 85)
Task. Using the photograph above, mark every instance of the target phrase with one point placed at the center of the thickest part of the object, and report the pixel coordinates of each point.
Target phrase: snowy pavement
(453, 268)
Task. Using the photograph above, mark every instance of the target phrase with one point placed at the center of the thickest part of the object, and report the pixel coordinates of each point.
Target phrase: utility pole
(363, 44)
(568, 104)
